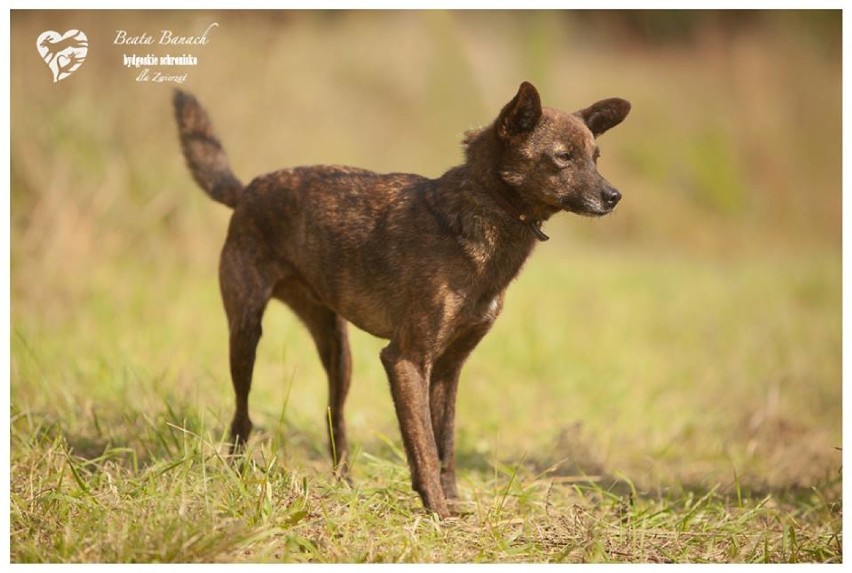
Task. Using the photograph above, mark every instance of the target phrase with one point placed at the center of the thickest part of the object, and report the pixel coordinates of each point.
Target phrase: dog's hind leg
(245, 292)
(333, 347)
(329, 332)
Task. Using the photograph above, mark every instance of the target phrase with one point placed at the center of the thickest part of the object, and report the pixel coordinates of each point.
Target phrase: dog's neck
(480, 147)
(507, 199)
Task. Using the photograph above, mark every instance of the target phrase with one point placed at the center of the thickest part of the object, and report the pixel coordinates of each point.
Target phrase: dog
(421, 262)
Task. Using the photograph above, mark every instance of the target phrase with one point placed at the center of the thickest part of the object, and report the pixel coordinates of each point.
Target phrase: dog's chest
(478, 239)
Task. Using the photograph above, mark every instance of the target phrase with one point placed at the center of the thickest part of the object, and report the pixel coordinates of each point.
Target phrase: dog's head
(550, 156)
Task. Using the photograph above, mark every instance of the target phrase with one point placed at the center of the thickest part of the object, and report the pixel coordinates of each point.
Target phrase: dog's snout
(610, 197)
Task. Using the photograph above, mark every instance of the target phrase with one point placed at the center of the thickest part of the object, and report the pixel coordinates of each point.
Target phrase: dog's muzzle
(596, 203)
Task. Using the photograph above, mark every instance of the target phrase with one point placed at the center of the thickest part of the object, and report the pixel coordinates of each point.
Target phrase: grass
(663, 386)
(665, 450)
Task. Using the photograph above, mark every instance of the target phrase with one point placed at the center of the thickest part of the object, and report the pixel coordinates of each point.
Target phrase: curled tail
(204, 154)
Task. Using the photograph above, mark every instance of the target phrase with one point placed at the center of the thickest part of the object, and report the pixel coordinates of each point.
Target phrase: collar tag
(535, 227)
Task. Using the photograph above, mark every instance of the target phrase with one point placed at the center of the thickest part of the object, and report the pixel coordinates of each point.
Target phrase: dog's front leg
(442, 399)
(408, 374)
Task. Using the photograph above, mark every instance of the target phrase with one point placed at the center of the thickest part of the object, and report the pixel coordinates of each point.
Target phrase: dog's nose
(610, 197)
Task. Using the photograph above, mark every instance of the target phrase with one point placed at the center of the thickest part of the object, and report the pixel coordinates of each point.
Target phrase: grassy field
(664, 385)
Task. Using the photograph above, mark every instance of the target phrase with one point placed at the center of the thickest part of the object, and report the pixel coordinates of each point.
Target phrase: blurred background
(734, 141)
(704, 312)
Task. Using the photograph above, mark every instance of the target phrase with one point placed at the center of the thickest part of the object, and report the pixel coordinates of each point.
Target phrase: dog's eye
(564, 156)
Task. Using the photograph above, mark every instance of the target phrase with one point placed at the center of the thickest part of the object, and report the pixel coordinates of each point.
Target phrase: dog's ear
(605, 114)
(521, 114)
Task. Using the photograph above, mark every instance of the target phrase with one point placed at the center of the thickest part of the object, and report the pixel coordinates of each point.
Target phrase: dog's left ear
(605, 114)
(521, 114)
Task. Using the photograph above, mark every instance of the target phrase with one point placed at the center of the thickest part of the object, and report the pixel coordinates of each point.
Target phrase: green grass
(664, 385)
(675, 420)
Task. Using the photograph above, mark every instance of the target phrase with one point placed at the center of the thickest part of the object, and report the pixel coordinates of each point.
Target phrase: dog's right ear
(520, 115)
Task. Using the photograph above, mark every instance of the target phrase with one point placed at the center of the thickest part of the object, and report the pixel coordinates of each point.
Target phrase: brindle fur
(421, 262)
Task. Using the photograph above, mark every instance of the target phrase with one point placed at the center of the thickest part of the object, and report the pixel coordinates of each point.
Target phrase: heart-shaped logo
(63, 53)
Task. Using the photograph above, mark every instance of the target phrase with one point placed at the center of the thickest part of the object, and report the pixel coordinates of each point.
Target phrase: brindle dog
(421, 262)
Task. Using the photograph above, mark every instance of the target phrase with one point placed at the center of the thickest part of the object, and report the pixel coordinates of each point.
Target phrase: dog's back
(335, 228)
